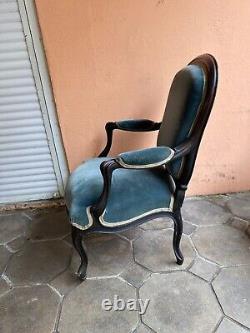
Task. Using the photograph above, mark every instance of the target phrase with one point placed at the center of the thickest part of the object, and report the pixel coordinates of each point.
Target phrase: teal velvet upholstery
(184, 100)
(137, 192)
(133, 193)
(146, 157)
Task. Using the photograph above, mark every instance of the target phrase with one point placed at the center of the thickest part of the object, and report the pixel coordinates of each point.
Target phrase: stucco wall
(115, 59)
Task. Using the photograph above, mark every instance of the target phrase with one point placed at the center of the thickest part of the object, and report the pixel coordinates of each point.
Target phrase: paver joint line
(217, 254)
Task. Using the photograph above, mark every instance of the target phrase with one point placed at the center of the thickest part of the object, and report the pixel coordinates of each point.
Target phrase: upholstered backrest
(187, 107)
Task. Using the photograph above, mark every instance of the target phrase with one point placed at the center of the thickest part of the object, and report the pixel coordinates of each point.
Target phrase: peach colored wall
(115, 59)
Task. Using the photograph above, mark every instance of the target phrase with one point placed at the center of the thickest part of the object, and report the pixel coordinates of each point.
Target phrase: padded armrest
(145, 158)
(137, 125)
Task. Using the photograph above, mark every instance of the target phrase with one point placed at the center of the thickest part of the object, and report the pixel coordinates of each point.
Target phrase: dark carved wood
(145, 125)
(187, 150)
(77, 242)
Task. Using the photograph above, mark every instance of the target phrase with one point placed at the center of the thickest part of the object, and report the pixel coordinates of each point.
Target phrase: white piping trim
(157, 210)
(90, 219)
(145, 166)
(113, 224)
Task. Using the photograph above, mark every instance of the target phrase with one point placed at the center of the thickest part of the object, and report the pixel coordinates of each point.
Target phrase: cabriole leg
(77, 242)
(178, 228)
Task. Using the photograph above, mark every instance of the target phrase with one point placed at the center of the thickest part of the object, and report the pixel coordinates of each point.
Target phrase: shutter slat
(26, 166)
(11, 27)
(8, 7)
(23, 144)
(43, 192)
(12, 83)
(20, 115)
(12, 91)
(24, 172)
(12, 47)
(16, 64)
(23, 152)
(24, 159)
(15, 73)
(8, 100)
(19, 107)
(11, 37)
(23, 123)
(10, 17)
(22, 141)
(28, 185)
(26, 179)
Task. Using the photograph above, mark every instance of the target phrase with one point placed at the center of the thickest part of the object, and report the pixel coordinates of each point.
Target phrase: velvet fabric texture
(133, 193)
(146, 157)
(183, 104)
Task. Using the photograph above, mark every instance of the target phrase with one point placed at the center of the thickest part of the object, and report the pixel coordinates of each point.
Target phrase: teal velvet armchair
(111, 194)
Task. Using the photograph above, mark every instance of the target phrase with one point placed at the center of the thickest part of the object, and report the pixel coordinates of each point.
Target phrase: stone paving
(210, 292)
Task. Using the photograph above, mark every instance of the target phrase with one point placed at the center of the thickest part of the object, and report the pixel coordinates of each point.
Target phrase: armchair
(112, 194)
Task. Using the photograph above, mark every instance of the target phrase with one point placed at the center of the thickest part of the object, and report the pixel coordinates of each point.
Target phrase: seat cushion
(134, 194)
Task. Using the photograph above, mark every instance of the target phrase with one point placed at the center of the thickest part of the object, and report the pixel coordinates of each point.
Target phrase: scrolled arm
(107, 168)
(145, 158)
(164, 155)
(132, 125)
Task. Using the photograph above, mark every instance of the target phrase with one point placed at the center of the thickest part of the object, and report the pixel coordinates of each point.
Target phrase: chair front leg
(178, 228)
(77, 242)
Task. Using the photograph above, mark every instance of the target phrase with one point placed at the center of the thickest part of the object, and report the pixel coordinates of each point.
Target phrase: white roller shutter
(26, 166)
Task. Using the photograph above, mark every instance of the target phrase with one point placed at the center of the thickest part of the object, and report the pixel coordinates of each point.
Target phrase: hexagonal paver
(51, 224)
(202, 212)
(82, 308)
(108, 255)
(29, 309)
(3, 286)
(38, 262)
(239, 207)
(228, 326)
(232, 287)
(12, 225)
(179, 302)
(4, 257)
(223, 244)
(154, 250)
(158, 224)
(204, 269)
(135, 274)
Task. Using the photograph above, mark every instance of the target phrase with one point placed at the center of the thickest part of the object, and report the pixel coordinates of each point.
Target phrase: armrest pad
(145, 158)
(137, 125)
